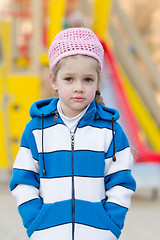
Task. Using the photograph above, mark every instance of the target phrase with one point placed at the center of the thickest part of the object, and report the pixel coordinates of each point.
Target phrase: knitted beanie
(75, 41)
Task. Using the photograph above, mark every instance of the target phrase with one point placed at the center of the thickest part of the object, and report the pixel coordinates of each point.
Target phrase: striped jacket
(73, 186)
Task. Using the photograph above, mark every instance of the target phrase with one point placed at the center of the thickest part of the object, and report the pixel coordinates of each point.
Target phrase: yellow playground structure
(19, 86)
(27, 29)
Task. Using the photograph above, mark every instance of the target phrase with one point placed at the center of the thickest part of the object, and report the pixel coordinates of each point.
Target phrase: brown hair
(98, 98)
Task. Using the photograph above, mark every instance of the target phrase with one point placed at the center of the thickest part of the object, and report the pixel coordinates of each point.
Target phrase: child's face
(76, 82)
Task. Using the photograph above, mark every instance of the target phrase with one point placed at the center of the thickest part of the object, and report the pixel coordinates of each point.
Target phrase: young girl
(72, 175)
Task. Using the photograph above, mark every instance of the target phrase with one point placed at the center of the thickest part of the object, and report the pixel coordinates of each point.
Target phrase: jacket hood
(46, 107)
(106, 113)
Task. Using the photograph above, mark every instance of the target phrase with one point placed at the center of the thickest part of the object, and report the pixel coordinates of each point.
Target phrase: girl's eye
(68, 79)
(88, 79)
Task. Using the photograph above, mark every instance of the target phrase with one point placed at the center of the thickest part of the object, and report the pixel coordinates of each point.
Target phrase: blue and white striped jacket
(73, 186)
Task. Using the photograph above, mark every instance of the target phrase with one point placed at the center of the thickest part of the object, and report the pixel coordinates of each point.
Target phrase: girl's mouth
(78, 99)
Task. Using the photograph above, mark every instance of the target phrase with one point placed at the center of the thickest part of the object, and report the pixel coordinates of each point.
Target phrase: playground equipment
(145, 154)
(19, 86)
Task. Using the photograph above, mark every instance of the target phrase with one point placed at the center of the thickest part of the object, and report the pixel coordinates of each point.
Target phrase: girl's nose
(78, 87)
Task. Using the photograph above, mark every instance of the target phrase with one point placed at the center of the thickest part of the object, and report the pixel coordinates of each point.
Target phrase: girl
(72, 175)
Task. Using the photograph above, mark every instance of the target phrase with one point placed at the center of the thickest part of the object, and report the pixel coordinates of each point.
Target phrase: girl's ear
(53, 81)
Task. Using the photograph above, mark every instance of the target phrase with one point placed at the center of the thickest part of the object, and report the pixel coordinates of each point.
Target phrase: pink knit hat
(73, 41)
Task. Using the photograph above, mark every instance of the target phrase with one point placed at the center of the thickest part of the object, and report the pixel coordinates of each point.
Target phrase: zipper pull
(72, 139)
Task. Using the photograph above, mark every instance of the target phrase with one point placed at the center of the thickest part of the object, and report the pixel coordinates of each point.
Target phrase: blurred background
(130, 34)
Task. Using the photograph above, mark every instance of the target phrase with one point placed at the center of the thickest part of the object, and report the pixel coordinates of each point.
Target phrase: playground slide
(115, 96)
(143, 88)
(141, 112)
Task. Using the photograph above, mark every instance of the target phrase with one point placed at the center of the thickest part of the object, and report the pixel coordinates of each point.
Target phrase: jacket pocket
(51, 215)
(107, 220)
(38, 220)
(93, 214)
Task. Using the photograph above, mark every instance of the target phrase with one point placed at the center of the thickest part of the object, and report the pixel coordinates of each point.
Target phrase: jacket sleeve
(119, 183)
(25, 179)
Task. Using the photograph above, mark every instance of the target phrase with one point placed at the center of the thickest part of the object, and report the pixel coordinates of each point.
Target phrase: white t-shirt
(71, 123)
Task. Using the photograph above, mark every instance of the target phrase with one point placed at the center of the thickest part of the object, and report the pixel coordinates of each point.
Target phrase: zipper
(56, 116)
(73, 190)
(72, 135)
